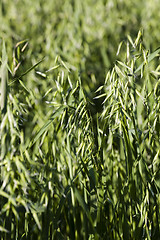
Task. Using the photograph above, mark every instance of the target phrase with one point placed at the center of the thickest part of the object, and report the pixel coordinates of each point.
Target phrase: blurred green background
(85, 34)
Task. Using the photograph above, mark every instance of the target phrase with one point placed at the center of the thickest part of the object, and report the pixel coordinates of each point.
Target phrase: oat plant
(74, 167)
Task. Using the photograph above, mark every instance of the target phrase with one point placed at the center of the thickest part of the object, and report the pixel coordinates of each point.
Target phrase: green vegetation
(80, 120)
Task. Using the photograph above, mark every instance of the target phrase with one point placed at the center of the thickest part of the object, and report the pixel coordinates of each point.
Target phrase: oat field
(80, 120)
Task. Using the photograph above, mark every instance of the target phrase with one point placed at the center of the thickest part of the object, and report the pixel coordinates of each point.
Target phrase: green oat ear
(151, 56)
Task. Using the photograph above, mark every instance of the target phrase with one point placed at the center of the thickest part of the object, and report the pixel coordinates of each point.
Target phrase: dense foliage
(80, 120)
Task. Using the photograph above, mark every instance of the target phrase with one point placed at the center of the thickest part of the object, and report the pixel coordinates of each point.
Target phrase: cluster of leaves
(68, 171)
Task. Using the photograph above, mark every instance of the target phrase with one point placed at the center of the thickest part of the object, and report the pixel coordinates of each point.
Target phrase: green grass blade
(4, 80)
(46, 125)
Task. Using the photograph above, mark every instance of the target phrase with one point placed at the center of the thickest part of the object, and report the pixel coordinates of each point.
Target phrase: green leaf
(35, 216)
(46, 125)
(83, 205)
(2, 229)
(144, 172)
(4, 80)
(27, 71)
